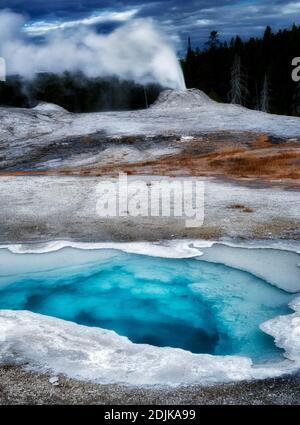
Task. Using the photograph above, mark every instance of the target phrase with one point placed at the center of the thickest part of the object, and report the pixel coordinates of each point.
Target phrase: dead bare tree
(264, 97)
(238, 89)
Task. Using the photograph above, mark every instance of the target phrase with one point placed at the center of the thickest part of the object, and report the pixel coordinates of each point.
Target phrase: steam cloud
(136, 51)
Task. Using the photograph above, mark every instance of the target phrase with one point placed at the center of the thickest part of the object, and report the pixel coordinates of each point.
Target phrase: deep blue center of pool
(189, 304)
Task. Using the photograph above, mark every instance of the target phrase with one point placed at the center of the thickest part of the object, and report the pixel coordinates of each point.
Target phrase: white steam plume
(135, 51)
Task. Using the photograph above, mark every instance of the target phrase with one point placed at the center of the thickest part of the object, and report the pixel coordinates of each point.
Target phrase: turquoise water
(190, 304)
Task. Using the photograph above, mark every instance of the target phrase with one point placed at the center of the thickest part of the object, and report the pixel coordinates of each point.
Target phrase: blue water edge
(183, 303)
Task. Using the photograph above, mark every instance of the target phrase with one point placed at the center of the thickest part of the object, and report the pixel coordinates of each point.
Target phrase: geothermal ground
(51, 162)
(184, 133)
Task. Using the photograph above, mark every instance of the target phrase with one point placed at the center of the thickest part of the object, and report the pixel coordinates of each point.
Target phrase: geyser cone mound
(49, 107)
(182, 99)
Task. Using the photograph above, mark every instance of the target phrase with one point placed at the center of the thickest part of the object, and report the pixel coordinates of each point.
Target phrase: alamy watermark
(296, 71)
(2, 69)
(164, 198)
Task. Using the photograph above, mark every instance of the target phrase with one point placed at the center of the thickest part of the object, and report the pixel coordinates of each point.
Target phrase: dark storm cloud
(190, 17)
(65, 7)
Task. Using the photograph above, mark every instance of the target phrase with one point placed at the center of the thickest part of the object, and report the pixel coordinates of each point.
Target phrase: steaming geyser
(136, 51)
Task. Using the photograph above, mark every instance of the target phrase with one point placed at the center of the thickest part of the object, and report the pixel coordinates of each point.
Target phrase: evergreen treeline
(77, 93)
(255, 73)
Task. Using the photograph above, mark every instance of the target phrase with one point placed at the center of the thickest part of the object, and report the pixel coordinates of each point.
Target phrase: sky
(177, 18)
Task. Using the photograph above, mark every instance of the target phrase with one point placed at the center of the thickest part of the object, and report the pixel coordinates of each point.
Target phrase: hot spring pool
(183, 303)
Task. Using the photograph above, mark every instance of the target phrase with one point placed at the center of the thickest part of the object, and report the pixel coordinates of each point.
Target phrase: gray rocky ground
(43, 208)
(20, 387)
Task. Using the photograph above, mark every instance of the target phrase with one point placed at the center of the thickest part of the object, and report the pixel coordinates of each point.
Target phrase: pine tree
(189, 49)
(264, 97)
(267, 35)
(238, 45)
(238, 89)
(213, 40)
(190, 65)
